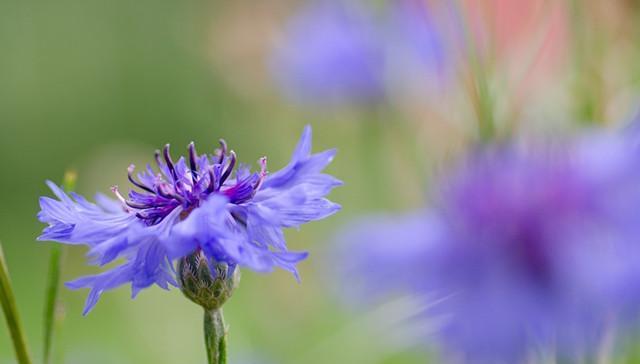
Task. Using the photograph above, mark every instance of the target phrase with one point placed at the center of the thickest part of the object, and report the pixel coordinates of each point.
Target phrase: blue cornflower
(195, 205)
(330, 55)
(527, 250)
(340, 53)
(418, 55)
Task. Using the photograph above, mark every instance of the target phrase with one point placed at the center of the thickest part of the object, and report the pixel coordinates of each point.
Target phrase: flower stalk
(10, 309)
(478, 82)
(209, 284)
(215, 336)
(55, 261)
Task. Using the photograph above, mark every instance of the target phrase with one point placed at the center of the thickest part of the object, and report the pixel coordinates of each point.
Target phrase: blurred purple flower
(416, 49)
(330, 55)
(530, 249)
(341, 52)
(194, 204)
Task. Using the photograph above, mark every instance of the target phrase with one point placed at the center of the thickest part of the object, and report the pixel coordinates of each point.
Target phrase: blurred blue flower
(330, 55)
(417, 52)
(529, 248)
(193, 205)
(342, 52)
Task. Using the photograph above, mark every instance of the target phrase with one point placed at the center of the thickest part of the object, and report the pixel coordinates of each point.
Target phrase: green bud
(207, 283)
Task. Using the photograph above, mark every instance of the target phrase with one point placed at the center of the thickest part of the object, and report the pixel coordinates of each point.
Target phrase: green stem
(485, 112)
(51, 299)
(482, 98)
(8, 302)
(373, 156)
(587, 57)
(215, 336)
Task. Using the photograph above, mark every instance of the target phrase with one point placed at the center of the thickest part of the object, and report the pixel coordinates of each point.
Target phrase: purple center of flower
(180, 185)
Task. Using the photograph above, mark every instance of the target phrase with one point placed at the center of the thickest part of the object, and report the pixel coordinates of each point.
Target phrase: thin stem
(486, 122)
(215, 336)
(51, 299)
(373, 154)
(587, 57)
(480, 93)
(9, 307)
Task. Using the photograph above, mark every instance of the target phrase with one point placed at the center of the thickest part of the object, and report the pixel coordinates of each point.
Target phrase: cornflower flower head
(337, 53)
(527, 250)
(206, 210)
(418, 55)
(330, 55)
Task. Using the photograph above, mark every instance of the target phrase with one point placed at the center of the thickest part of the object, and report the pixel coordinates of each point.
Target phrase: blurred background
(399, 87)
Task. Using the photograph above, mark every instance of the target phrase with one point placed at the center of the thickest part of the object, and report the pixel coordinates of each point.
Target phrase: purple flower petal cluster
(202, 203)
(527, 249)
(344, 52)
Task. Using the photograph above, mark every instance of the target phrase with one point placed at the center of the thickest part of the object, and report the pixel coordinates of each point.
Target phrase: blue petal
(262, 231)
(288, 261)
(108, 204)
(109, 250)
(204, 225)
(292, 208)
(259, 257)
(302, 151)
(295, 194)
(79, 221)
(146, 261)
(102, 282)
(151, 267)
(381, 255)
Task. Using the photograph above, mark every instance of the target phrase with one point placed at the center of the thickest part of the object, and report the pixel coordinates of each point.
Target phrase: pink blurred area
(531, 31)
(525, 46)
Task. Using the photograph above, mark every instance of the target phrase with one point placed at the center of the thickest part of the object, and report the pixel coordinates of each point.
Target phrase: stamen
(181, 187)
(156, 155)
(223, 150)
(136, 205)
(167, 159)
(263, 166)
(229, 169)
(192, 162)
(136, 183)
(263, 173)
(166, 191)
(122, 200)
(159, 179)
(212, 181)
